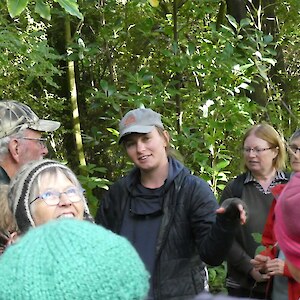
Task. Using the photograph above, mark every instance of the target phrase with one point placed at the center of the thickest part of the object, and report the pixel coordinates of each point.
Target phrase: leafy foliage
(16, 7)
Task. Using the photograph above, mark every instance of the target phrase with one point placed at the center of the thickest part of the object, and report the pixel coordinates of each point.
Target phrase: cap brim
(136, 129)
(45, 125)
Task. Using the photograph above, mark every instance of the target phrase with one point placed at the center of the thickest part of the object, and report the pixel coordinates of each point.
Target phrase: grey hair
(5, 141)
(20, 190)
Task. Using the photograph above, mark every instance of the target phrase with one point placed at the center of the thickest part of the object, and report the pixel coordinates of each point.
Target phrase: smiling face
(147, 150)
(58, 181)
(262, 162)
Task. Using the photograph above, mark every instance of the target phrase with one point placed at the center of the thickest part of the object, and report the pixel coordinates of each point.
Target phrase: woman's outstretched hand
(233, 209)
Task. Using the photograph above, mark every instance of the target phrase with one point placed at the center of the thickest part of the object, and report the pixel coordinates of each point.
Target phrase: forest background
(212, 68)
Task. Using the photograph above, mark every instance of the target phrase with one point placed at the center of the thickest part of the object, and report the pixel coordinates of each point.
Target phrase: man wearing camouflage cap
(20, 137)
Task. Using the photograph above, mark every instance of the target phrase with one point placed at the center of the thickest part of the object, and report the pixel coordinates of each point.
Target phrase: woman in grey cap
(170, 216)
(45, 190)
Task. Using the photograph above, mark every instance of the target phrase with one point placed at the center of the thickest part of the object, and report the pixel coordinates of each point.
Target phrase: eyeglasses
(256, 150)
(52, 197)
(41, 141)
(294, 149)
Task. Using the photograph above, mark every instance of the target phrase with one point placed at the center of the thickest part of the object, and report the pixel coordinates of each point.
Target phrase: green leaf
(43, 9)
(191, 48)
(259, 249)
(246, 66)
(104, 85)
(268, 39)
(232, 21)
(257, 237)
(71, 7)
(15, 7)
(263, 73)
(221, 165)
(270, 61)
(245, 22)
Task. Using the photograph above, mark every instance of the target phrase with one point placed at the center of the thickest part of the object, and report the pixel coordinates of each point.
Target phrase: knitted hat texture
(72, 259)
(287, 225)
(20, 187)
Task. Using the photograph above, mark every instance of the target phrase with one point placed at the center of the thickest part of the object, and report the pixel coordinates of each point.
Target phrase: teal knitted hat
(72, 259)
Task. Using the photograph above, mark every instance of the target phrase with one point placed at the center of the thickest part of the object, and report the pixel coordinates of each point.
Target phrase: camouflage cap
(15, 116)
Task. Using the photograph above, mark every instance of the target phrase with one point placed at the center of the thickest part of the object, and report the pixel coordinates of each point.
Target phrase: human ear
(166, 137)
(14, 149)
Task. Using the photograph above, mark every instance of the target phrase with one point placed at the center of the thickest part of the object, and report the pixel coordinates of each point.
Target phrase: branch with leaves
(43, 8)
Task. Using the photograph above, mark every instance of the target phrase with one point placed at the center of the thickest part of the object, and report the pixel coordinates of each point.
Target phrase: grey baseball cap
(140, 120)
(15, 116)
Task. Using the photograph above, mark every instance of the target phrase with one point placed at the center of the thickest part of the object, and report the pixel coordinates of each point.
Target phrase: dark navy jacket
(190, 233)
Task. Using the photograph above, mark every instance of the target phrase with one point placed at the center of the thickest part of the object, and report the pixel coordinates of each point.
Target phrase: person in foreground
(21, 138)
(72, 260)
(45, 190)
(264, 161)
(170, 216)
(271, 261)
(287, 225)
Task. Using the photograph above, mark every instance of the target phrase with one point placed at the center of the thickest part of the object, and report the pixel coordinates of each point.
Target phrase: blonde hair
(267, 133)
(171, 152)
(7, 220)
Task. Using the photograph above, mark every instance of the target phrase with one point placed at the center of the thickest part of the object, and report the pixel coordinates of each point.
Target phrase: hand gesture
(234, 209)
(259, 262)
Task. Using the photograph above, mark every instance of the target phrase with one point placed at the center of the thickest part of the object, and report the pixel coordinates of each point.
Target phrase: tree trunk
(73, 96)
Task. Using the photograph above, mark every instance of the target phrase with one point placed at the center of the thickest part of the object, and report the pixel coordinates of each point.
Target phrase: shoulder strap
(238, 185)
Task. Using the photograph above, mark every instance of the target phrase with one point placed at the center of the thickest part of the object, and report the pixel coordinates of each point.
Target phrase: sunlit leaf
(43, 9)
(71, 7)
(15, 7)
(270, 61)
(154, 3)
(232, 21)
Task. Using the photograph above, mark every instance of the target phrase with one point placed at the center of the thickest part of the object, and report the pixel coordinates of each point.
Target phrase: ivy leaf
(71, 7)
(15, 7)
(43, 9)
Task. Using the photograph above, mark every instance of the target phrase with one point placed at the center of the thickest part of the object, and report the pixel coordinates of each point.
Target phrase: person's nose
(252, 153)
(140, 146)
(64, 200)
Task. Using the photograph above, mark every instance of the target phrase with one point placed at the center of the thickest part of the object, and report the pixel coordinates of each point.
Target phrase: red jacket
(270, 242)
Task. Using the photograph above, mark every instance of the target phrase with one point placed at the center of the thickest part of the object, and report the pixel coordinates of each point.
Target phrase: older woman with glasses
(45, 190)
(264, 161)
(271, 260)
